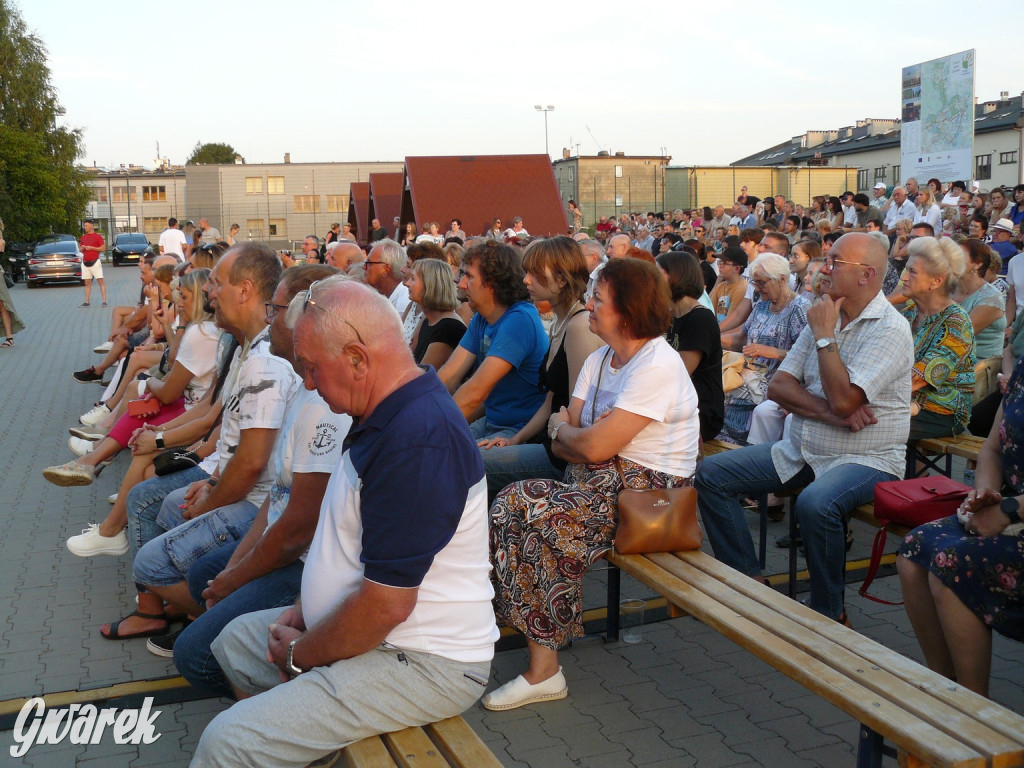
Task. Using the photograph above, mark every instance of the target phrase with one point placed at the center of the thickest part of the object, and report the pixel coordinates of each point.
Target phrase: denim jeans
(482, 428)
(144, 502)
(821, 509)
(165, 560)
(510, 463)
(192, 654)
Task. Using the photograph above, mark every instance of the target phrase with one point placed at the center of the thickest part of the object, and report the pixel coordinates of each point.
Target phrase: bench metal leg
(762, 543)
(793, 550)
(611, 626)
(869, 748)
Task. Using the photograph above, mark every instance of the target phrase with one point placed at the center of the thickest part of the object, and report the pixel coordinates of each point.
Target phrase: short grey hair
(942, 258)
(392, 254)
(774, 266)
(594, 247)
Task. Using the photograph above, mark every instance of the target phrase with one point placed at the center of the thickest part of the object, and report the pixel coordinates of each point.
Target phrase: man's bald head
(618, 246)
(345, 254)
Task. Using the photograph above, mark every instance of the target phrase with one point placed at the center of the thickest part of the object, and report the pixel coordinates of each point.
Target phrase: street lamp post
(545, 110)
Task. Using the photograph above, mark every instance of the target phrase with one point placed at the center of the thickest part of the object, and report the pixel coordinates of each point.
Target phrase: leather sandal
(113, 634)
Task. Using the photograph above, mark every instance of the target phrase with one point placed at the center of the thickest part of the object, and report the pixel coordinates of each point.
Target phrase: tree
(210, 154)
(41, 188)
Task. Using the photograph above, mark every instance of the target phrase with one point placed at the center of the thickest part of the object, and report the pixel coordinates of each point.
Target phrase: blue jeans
(192, 654)
(165, 560)
(482, 428)
(821, 509)
(510, 463)
(144, 502)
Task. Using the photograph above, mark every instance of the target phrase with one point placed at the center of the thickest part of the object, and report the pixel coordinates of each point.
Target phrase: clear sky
(335, 81)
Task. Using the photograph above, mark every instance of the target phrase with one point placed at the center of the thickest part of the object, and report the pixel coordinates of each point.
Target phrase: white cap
(880, 185)
(1004, 224)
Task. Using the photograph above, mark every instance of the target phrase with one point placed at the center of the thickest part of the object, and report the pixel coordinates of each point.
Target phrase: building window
(618, 171)
(862, 178)
(896, 174)
(572, 173)
(154, 224)
(1008, 158)
(254, 185)
(275, 185)
(880, 174)
(154, 194)
(307, 203)
(337, 203)
(121, 195)
(99, 194)
(983, 167)
(254, 228)
(277, 228)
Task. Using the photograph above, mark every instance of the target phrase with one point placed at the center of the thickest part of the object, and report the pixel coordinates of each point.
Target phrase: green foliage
(210, 154)
(41, 189)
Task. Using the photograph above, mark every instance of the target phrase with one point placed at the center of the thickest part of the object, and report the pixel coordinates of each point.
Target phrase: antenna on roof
(599, 147)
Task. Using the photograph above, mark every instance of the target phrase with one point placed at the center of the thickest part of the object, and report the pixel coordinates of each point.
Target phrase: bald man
(618, 247)
(847, 383)
(344, 255)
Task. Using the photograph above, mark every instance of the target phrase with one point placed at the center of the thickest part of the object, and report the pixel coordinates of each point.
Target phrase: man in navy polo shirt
(394, 626)
(504, 345)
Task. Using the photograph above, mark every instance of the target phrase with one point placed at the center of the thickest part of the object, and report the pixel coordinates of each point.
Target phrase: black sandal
(113, 634)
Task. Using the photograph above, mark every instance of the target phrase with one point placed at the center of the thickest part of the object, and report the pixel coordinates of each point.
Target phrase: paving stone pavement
(683, 696)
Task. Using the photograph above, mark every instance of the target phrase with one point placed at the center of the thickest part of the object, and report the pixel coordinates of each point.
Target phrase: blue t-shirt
(1006, 252)
(518, 338)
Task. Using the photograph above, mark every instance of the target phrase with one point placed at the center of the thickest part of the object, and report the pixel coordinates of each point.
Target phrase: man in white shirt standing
(172, 240)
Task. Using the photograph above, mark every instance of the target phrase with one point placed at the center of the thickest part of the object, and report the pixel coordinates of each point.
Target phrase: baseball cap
(880, 185)
(736, 255)
(1004, 224)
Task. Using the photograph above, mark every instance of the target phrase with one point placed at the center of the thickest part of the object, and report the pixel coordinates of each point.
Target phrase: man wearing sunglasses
(847, 383)
(394, 626)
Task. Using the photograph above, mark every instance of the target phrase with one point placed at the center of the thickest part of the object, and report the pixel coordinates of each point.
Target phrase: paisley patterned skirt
(985, 572)
(544, 536)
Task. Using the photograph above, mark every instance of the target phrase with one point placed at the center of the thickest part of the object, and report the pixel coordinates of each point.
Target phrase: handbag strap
(877, 549)
(597, 388)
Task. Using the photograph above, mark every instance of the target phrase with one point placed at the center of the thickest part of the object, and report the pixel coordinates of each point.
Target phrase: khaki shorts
(95, 271)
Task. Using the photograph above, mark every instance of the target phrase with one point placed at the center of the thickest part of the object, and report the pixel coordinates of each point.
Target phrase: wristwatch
(825, 343)
(160, 440)
(554, 432)
(1011, 508)
(290, 666)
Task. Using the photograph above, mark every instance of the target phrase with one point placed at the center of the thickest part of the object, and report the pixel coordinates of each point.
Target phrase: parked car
(54, 258)
(17, 259)
(129, 247)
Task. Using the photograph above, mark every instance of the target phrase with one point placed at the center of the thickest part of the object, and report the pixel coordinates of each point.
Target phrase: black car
(54, 257)
(16, 256)
(129, 247)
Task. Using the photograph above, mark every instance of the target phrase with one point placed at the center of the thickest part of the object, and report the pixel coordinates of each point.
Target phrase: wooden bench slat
(460, 744)
(367, 753)
(412, 748)
(846, 649)
(865, 705)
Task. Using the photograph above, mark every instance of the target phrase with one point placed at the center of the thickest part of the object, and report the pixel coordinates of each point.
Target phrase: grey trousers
(327, 708)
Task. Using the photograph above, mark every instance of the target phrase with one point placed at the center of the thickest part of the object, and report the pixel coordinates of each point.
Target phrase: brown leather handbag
(656, 519)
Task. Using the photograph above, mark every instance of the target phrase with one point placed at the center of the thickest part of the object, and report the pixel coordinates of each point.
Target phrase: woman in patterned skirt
(633, 400)
(962, 580)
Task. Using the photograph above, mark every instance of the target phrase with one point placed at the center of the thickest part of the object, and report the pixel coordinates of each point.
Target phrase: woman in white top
(928, 211)
(633, 401)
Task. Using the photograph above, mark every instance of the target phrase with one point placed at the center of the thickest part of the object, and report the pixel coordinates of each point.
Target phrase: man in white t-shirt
(172, 240)
(383, 273)
(264, 569)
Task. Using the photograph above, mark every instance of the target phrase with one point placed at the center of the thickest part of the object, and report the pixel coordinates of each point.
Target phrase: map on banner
(937, 136)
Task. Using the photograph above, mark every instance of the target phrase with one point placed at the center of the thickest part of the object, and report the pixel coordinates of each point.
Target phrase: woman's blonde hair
(438, 286)
(942, 258)
(194, 281)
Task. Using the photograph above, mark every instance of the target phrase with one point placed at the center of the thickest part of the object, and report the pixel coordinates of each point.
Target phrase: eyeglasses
(309, 302)
(272, 309)
(366, 264)
(831, 262)
(759, 284)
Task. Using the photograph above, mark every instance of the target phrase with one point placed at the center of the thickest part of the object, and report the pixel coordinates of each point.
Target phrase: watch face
(1011, 508)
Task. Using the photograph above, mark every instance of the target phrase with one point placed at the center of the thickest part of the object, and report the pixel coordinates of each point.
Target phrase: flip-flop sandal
(9, 342)
(113, 634)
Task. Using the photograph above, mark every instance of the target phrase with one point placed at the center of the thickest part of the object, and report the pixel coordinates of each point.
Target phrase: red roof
(359, 209)
(479, 188)
(386, 197)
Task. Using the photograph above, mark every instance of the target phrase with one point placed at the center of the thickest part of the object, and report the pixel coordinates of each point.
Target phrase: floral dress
(985, 572)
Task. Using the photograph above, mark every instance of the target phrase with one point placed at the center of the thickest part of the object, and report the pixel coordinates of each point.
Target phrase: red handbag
(911, 503)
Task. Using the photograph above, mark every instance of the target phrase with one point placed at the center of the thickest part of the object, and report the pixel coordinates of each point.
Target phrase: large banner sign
(937, 136)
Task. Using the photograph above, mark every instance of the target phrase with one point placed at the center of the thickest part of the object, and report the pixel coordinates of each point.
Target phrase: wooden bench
(931, 720)
(449, 743)
(945, 448)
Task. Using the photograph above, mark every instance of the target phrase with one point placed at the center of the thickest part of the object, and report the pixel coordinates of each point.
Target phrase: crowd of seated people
(312, 485)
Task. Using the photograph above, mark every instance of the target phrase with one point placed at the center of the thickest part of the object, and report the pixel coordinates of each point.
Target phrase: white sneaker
(90, 542)
(112, 498)
(86, 434)
(102, 349)
(78, 446)
(518, 692)
(94, 416)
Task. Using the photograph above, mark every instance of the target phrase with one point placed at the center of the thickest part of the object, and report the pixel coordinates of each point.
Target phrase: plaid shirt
(878, 351)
